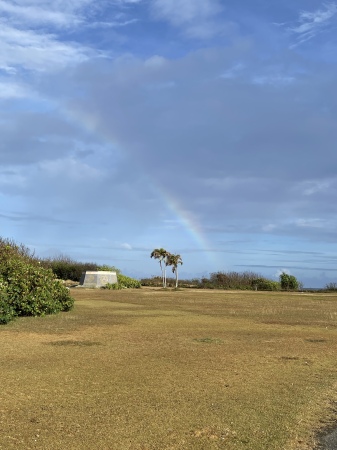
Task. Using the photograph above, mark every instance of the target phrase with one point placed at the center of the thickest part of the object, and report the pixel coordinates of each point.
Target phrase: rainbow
(88, 122)
(184, 217)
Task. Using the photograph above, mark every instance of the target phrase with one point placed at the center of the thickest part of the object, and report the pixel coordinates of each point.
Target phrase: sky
(206, 127)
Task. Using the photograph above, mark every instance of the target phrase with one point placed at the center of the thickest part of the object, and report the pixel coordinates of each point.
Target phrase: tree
(162, 255)
(289, 282)
(174, 260)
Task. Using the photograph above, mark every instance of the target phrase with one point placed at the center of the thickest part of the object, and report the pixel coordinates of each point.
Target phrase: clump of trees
(26, 287)
(166, 259)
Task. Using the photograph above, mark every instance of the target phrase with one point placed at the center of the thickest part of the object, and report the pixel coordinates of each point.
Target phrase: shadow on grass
(75, 343)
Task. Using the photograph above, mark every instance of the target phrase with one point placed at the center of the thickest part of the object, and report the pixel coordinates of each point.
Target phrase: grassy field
(158, 370)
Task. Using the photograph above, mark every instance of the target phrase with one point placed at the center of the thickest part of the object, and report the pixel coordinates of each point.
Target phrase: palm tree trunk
(176, 277)
(162, 274)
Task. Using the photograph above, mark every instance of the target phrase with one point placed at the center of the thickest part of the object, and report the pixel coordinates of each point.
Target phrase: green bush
(154, 281)
(127, 283)
(123, 282)
(289, 282)
(263, 284)
(7, 312)
(27, 288)
(111, 286)
(232, 280)
(106, 268)
(34, 291)
(9, 250)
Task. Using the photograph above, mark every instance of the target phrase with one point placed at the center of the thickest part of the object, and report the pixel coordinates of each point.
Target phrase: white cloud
(130, 1)
(58, 5)
(310, 223)
(273, 80)
(179, 12)
(155, 62)
(33, 15)
(58, 13)
(279, 272)
(70, 169)
(12, 177)
(233, 72)
(31, 31)
(269, 227)
(13, 90)
(36, 51)
(310, 24)
(197, 17)
(114, 24)
(126, 246)
(312, 187)
(8, 69)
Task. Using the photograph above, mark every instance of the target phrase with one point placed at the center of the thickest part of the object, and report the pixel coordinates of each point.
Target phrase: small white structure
(97, 279)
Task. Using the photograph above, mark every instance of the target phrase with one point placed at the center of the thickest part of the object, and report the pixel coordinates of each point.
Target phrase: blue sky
(207, 127)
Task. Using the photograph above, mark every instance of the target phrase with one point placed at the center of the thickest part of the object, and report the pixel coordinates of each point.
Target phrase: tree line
(226, 280)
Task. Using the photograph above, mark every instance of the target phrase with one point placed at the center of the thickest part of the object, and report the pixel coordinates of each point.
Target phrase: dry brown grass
(158, 370)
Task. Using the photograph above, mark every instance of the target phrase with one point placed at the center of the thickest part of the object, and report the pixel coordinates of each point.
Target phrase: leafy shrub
(27, 288)
(111, 286)
(7, 312)
(123, 282)
(9, 249)
(126, 282)
(34, 291)
(155, 281)
(263, 284)
(289, 282)
(106, 268)
(233, 280)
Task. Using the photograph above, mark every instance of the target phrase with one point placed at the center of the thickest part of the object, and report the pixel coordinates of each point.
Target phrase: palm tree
(162, 255)
(174, 260)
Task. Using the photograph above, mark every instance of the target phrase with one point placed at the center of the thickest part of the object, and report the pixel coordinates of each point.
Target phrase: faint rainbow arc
(89, 123)
(189, 223)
